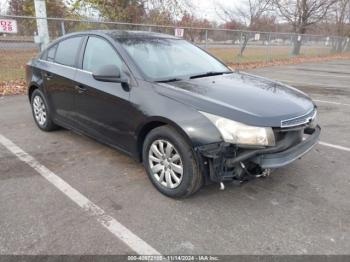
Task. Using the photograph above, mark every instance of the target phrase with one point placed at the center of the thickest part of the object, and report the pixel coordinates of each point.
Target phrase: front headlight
(239, 133)
(314, 121)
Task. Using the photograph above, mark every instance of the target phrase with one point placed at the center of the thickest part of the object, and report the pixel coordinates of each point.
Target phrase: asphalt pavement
(303, 208)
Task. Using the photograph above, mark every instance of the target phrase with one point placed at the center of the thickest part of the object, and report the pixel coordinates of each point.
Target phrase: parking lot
(303, 208)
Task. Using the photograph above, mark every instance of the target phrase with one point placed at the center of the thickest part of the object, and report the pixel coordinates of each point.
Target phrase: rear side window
(51, 53)
(67, 51)
(99, 53)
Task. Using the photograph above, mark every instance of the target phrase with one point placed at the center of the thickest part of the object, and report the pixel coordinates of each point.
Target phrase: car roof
(136, 34)
(114, 34)
(126, 34)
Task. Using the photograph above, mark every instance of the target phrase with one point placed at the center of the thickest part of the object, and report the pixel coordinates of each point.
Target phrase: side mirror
(109, 73)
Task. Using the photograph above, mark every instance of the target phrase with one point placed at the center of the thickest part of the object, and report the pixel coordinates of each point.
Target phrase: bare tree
(301, 14)
(249, 13)
(340, 16)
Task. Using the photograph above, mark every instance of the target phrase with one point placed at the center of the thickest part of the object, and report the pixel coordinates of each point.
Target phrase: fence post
(63, 30)
(41, 21)
(268, 58)
(346, 47)
(206, 38)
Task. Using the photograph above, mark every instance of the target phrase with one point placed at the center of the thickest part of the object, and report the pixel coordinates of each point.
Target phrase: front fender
(155, 107)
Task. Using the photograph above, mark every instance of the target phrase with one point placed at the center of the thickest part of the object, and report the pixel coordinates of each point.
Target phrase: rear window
(67, 51)
(51, 53)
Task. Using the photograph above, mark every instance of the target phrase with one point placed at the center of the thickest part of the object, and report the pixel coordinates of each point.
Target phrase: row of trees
(331, 17)
(160, 12)
(163, 12)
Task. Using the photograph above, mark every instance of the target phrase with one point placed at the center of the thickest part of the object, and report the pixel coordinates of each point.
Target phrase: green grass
(12, 61)
(263, 54)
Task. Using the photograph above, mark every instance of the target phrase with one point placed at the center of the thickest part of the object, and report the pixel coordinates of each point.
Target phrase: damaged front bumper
(225, 162)
(279, 159)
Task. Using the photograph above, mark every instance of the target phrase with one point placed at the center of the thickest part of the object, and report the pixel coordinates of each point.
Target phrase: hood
(241, 97)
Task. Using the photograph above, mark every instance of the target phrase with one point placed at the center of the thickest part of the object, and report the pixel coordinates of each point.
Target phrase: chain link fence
(231, 46)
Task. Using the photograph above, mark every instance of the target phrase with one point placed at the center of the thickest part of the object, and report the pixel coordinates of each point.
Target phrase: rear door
(59, 74)
(103, 108)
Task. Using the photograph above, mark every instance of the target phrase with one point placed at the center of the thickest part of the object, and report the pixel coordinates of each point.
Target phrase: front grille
(300, 120)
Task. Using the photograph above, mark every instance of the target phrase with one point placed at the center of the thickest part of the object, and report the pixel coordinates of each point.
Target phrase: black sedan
(167, 103)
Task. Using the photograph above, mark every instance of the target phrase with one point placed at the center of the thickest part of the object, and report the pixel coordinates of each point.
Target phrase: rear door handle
(48, 76)
(80, 88)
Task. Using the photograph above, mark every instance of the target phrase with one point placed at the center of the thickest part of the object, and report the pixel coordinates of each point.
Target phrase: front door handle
(80, 88)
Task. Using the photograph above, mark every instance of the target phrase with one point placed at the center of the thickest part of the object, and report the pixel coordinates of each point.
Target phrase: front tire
(41, 111)
(170, 163)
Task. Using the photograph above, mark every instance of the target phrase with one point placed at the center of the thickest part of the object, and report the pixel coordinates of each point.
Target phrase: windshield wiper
(209, 74)
(169, 80)
(194, 76)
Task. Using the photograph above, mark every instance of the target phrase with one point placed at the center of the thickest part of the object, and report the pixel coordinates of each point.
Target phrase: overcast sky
(204, 8)
(2, 5)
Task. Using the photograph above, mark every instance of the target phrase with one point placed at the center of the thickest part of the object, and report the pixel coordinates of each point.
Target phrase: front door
(103, 108)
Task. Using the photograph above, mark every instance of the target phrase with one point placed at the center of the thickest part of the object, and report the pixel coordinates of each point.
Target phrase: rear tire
(170, 163)
(41, 111)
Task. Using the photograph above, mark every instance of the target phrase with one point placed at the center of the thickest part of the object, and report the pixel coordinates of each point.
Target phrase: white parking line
(291, 82)
(328, 76)
(110, 223)
(333, 75)
(331, 102)
(335, 146)
(297, 83)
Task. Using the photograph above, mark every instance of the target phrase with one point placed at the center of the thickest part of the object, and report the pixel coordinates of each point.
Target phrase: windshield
(171, 59)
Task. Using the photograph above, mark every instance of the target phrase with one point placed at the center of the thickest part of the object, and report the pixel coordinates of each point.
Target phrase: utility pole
(41, 21)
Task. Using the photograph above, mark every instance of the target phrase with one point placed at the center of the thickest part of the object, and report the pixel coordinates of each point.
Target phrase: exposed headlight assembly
(242, 134)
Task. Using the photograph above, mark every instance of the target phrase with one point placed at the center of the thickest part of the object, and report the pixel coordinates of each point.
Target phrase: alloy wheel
(39, 110)
(165, 164)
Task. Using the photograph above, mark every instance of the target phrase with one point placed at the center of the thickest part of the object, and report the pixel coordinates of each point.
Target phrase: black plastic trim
(286, 157)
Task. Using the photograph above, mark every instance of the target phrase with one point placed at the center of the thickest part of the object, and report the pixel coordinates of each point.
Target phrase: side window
(99, 53)
(51, 53)
(67, 51)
